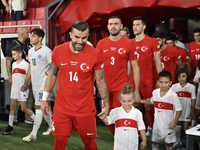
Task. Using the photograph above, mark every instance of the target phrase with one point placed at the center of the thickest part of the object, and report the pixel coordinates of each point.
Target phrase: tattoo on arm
(157, 54)
(9, 58)
(101, 85)
(179, 64)
(54, 69)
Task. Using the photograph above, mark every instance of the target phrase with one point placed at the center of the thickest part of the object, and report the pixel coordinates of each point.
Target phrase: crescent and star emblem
(121, 51)
(144, 48)
(165, 58)
(84, 66)
(126, 122)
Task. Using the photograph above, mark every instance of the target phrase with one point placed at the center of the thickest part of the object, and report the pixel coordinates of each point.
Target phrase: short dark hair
(196, 30)
(159, 34)
(80, 25)
(115, 17)
(165, 73)
(173, 30)
(170, 36)
(182, 70)
(18, 49)
(39, 32)
(140, 18)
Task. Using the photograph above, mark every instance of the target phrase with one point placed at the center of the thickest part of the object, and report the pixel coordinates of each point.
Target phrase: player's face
(34, 39)
(171, 43)
(114, 26)
(182, 78)
(160, 41)
(197, 37)
(138, 27)
(124, 33)
(164, 83)
(127, 101)
(79, 39)
(16, 55)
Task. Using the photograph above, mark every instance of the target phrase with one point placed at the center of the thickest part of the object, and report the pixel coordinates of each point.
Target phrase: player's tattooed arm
(157, 58)
(179, 64)
(101, 85)
(54, 69)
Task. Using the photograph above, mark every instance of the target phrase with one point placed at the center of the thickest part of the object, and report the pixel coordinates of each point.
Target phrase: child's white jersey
(197, 78)
(40, 66)
(19, 72)
(126, 127)
(185, 94)
(165, 110)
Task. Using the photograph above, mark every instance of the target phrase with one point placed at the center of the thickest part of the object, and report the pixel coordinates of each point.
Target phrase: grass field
(104, 139)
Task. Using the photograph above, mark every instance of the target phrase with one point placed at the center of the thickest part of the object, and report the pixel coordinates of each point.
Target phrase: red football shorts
(85, 126)
(114, 100)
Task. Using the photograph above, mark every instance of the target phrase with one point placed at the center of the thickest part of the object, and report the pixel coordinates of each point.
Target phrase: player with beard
(77, 63)
(116, 51)
(170, 57)
(147, 48)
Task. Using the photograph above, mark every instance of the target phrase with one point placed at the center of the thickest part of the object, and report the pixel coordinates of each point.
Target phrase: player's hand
(24, 88)
(24, 13)
(137, 97)
(45, 107)
(104, 112)
(143, 144)
(192, 114)
(172, 125)
(10, 81)
(7, 9)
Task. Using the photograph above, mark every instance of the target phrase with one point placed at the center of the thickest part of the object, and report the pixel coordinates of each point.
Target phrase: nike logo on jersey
(193, 50)
(63, 64)
(105, 50)
(159, 111)
(126, 129)
(90, 133)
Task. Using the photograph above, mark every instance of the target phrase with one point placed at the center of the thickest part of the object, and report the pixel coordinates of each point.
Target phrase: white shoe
(29, 138)
(49, 131)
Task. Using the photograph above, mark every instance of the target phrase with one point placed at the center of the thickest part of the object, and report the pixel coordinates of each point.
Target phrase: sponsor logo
(73, 63)
(192, 50)
(113, 48)
(105, 50)
(63, 64)
(90, 133)
(137, 47)
(126, 129)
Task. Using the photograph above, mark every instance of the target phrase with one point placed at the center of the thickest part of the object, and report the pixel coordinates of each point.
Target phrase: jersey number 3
(112, 61)
(73, 77)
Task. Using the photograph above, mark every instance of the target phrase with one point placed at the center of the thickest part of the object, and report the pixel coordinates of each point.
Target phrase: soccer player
(40, 59)
(194, 51)
(147, 48)
(167, 112)
(128, 121)
(74, 108)
(116, 51)
(19, 71)
(170, 57)
(171, 40)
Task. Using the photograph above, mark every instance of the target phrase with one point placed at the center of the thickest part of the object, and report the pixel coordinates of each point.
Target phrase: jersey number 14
(73, 77)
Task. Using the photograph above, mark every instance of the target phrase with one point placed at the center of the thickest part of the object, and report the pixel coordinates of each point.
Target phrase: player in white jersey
(19, 71)
(40, 59)
(167, 110)
(128, 121)
(197, 105)
(187, 97)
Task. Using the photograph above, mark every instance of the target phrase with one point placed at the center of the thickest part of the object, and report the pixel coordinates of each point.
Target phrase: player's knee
(60, 141)
(89, 142)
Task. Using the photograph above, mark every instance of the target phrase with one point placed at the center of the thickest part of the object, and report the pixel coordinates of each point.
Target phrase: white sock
(155, 147)
(33, 117)
(49, 118)
(11, 119)
(169, 148)
(178, 133)
(37, 121)
(194, 123)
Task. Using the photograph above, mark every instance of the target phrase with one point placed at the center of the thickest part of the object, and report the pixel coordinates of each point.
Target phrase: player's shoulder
(190, 85)
(135, 110)
(192, 43)
(46, 48)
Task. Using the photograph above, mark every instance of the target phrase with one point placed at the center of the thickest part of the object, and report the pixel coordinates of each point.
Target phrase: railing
(19, 26)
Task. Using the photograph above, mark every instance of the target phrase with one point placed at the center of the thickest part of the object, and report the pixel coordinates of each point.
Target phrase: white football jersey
(40, 66)
(165, 110)
(126, 127)
(185, 94)
(18, 77)
(197, 77)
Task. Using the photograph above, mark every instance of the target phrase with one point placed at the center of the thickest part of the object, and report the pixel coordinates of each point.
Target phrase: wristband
(45, 96)
(25, 10)
(28, 86)
(10, 78)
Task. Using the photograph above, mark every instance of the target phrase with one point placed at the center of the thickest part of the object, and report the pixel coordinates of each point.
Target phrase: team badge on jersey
(85, 67)
(165, 58)
(144, 48)
(121, 51)
(39, 56)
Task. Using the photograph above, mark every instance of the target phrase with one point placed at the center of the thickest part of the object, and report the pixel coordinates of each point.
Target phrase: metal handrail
(19, 26)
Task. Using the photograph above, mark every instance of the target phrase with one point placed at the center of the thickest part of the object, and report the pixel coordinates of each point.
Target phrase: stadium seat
(33, 3)
(9, 30)
(40, 13)
(6, 17)
(44, 3)
(30, 14)
(25, 22)
(41, 22)
(1, 24)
